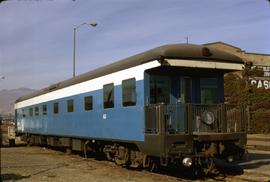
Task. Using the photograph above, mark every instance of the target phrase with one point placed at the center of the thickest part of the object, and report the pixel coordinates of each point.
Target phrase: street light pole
(74, 50)
(74, 42)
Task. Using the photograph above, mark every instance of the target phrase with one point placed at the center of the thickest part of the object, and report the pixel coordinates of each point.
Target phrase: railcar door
(184, 90)
(172, 92)
(175, 112)
(165, 112)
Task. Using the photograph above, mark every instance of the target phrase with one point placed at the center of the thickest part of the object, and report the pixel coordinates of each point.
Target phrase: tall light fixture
(94, 24)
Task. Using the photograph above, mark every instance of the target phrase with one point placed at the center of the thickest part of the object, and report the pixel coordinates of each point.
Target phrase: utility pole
(247, 70)
(186, 39)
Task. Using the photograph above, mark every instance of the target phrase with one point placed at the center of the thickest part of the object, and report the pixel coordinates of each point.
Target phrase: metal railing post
(223, 118)
(189, 118)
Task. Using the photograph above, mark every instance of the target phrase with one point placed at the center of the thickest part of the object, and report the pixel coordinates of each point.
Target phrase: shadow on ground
(12, 176)
(188, 174)
(255, 160)
(17, 145)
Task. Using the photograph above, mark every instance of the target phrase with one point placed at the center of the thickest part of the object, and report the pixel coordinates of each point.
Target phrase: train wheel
(109, 156)
(210, 167)
(122, 156)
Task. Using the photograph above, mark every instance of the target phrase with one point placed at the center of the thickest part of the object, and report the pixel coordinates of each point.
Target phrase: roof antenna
(186, 39)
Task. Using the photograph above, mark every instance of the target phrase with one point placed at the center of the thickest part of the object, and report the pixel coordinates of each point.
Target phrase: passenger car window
(108, 95)
(70, 106)
(36, 111)
(31, 112)
(23, 113)
(159, 89)
(209, 89)
(55, 108)
(44, 109)
(88, 103)
(129, 92)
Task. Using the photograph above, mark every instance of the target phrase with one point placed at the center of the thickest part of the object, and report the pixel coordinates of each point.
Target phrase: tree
(237, 90)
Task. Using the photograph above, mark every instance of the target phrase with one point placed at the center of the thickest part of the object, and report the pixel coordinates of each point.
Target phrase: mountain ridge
(8, 98)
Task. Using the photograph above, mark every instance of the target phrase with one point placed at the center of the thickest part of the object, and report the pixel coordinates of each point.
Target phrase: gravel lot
(42, 164)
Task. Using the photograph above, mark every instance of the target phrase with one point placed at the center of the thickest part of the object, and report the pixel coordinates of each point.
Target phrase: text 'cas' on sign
(260, 83)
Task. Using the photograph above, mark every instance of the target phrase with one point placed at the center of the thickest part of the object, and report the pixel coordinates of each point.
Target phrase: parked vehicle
(162, 107)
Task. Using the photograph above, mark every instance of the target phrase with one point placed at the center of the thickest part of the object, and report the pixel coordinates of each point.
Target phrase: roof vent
(53, 87)
(206, 52)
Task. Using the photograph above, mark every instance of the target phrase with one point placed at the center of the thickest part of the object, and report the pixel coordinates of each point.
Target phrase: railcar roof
(173, 51)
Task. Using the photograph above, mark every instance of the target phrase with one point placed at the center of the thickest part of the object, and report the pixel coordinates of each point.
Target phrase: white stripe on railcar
(90, 85)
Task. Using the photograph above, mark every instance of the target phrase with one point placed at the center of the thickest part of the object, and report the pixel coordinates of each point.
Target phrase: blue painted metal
(121, 123)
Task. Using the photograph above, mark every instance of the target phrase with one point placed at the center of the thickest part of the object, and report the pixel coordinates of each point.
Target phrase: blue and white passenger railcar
(159, 106)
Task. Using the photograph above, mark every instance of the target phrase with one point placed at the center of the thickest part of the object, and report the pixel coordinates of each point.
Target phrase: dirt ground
(43, 164)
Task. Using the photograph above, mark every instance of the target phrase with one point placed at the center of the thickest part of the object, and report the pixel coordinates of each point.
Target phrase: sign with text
(260, 83)
(263, 70)
(260, 76)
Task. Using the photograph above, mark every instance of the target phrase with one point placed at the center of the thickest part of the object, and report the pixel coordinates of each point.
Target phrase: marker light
(187, 162)
(208, 117)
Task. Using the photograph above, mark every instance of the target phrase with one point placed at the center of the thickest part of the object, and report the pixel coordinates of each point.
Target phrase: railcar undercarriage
(201, 145)
(208, 137)
(206, 156)
(123, 154)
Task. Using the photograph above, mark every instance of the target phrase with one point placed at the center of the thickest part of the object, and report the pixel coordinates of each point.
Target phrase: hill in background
(8, 97)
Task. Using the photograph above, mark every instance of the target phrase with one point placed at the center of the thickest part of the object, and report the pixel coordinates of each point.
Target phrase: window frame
(56, 108)
(125, 89)
(206, 84)
(36, 111)
(159, 89)
(186, 89)
(23, 113)
(31, 113)
(70, 105)
(109, 104)
(44, 109)
(91, 103)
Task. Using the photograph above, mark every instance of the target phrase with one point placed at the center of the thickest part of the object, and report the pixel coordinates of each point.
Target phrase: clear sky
(36, 36)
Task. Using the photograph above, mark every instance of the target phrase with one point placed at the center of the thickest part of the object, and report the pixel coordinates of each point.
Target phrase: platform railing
(188, 118)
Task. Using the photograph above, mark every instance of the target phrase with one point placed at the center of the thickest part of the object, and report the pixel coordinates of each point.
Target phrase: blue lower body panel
(118, 123)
